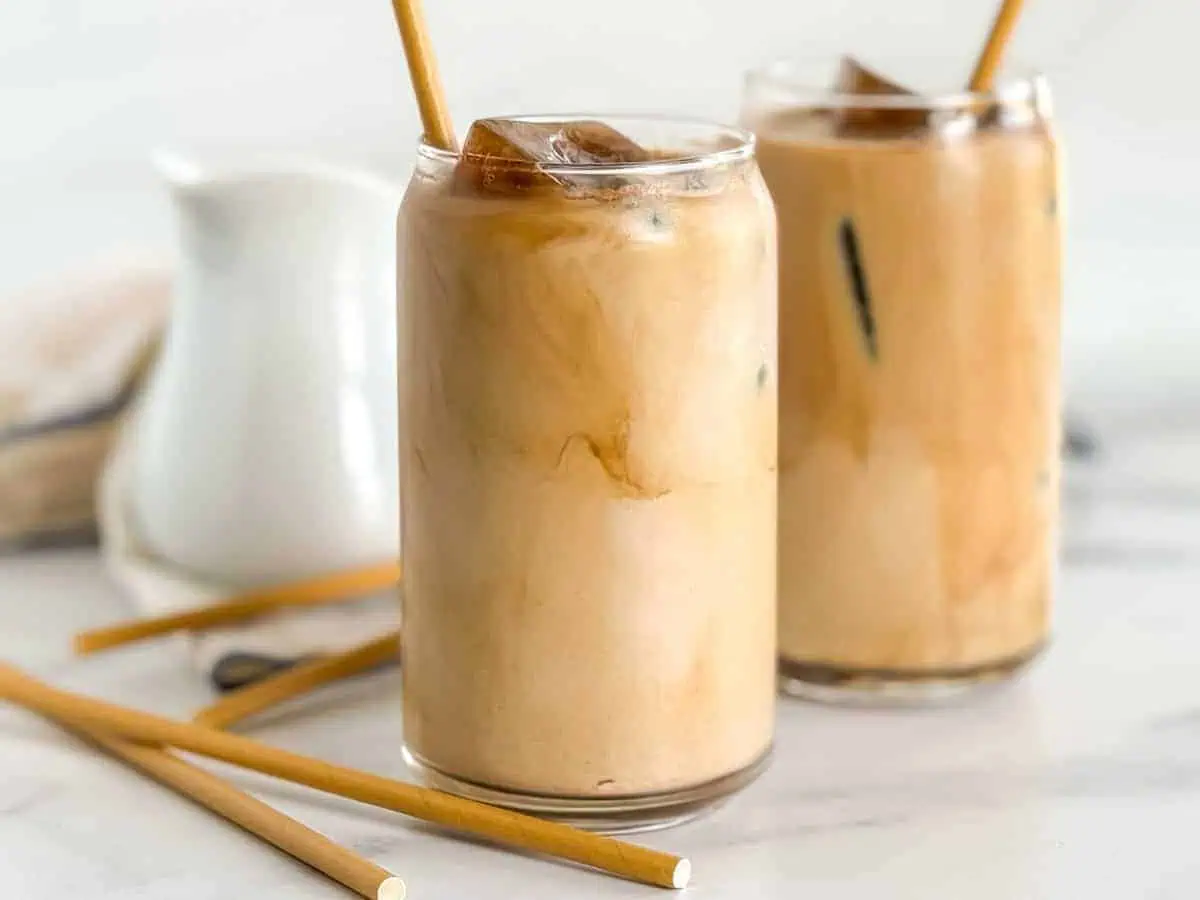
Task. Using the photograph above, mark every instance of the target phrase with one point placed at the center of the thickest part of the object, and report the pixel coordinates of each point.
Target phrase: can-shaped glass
(588, 469)
(919, 381)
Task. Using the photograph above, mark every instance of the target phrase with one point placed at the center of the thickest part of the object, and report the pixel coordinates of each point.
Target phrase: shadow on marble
(21, 725)
(328, 699)
(285, 792)
(1121, 555)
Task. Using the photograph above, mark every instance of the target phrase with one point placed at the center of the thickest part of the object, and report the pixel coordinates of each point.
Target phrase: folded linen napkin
(72, 356)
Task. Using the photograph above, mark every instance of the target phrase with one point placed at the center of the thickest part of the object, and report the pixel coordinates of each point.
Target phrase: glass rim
(742, 148)
(789, 75)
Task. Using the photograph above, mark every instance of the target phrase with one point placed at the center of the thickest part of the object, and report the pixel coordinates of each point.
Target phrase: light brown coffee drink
(588, 469)
(919, 386)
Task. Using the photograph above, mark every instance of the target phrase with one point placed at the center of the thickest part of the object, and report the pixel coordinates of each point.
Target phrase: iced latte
(919, 399)
(589, 469)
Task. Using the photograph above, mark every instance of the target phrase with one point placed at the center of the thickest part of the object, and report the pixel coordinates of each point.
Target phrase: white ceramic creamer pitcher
(265, 448)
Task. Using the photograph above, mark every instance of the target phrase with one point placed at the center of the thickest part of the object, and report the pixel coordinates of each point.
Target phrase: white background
(87, 89)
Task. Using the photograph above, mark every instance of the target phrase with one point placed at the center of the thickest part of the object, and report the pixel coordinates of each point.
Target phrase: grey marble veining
(1080, 780)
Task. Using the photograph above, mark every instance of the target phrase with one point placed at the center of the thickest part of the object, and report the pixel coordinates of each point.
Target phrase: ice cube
(879, 121)
(598, 143)
(855, 78)
(509, 155)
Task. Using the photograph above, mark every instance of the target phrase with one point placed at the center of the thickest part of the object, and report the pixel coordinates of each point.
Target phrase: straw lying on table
(298, 680)
(516, 830)
(334, 588)
(219, 796)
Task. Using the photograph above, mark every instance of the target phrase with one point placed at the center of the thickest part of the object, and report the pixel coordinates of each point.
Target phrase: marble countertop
(1081, 780)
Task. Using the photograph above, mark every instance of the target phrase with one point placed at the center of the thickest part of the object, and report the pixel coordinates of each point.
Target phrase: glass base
(844, 686)
(604, 815)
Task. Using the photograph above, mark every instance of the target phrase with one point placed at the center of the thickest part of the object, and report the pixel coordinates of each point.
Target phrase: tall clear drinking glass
(589, 476)
(919, 381)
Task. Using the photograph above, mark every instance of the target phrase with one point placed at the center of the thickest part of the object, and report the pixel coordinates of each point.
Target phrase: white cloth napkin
(71, 355)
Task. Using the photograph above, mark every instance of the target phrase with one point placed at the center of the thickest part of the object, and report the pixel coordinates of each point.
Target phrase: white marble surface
(1082, 780)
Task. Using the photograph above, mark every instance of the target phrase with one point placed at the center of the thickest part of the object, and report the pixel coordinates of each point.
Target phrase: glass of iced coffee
(589, 467)
(919, 378)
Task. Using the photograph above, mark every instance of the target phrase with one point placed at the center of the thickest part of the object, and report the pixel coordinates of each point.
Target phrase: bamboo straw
(422, 69)
(993, 48)
(333, 588)
(298, 680)
(499, 825)
(343, 866)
